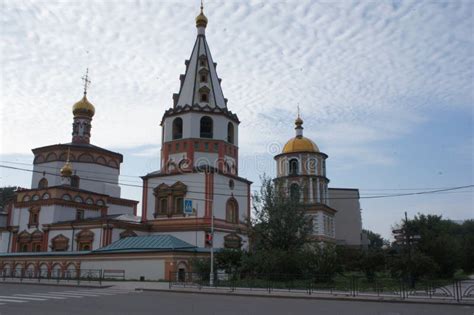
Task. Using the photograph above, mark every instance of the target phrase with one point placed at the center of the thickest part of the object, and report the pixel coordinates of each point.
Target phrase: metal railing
(57, 275)
(339, 284)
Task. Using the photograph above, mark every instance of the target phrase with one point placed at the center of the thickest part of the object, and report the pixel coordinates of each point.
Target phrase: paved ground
(41, 299)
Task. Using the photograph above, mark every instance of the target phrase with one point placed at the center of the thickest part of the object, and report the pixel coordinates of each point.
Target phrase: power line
(235, 195)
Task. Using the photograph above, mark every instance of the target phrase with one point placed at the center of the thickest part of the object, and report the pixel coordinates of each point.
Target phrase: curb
(319, 297)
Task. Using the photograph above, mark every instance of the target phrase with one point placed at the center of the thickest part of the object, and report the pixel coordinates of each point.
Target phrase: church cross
(86, 80)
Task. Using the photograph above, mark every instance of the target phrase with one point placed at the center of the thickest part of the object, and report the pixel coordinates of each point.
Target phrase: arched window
(177, 128)
(75, 181)
(43, 183)
(293, 167)
(295, 192)
(230, 132)
(206, 127)
(232, 211)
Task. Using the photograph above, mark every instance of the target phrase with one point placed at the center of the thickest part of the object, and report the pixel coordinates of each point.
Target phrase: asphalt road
(17, 299)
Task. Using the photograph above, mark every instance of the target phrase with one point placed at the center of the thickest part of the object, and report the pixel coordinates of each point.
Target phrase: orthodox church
(73, 217)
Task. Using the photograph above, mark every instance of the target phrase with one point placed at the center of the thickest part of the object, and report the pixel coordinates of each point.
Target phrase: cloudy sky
(385, 87)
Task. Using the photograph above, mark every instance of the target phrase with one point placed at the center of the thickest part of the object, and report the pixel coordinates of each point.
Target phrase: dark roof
(146, 243)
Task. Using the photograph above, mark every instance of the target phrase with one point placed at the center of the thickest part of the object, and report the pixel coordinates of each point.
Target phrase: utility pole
(211, 276)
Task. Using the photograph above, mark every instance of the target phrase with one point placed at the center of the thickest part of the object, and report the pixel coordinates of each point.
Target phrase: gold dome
(300, 144)
(201, 20)
(83, 107)
(66, 170)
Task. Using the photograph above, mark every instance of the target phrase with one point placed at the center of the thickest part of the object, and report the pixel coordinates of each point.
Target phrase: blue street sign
(188, 206)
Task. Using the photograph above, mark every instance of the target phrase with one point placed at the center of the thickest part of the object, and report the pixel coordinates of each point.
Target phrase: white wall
(222, 193)
(4, 240)
(191, 126)
(97, 174)
(151, 269)
(348, 219)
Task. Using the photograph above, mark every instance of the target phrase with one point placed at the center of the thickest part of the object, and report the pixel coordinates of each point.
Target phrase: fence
(348, 285)
(53, 275)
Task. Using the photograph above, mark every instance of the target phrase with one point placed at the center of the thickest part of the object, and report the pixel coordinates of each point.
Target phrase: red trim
(144, 200)
(9, 216)
(14, 243)
(45, 240)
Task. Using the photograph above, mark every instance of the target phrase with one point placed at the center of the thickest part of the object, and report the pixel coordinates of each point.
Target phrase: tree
(375, 240)
(280, 223)
(6, 195)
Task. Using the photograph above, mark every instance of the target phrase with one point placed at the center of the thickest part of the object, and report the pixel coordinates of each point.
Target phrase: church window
(24, 248)
(60, 243)
(34, 216)
(163, 205)
(79, 214)
(206, 127)
(206, 146)
(203, 78)
(177, 128)
(75, 181)
(37, 247)
(295, 192)
(178, 205)
(196, 145)
(231, 184)
(232, 211)
(216, 147)
(43, 183)
(84, 239)
(204, 97)
(230, 132)
(293, 167)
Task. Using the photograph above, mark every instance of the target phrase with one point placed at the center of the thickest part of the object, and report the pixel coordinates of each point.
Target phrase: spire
(299, 124)
(200, 85)
(83, 112)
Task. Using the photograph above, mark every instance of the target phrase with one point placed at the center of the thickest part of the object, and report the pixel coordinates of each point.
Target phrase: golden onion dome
(201, 19)
(300, 144)
(83, 107)
(66, 170)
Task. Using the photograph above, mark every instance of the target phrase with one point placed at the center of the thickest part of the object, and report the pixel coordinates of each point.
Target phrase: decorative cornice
(206, 109)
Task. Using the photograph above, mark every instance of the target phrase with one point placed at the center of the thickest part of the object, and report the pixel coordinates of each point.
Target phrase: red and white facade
(199, 161)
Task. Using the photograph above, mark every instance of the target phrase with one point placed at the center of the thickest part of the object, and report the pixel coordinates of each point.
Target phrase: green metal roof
(146, 243)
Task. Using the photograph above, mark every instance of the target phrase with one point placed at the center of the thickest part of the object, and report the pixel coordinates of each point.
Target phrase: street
(19, 299)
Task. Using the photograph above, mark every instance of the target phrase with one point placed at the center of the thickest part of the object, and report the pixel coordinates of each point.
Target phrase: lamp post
(211, 276)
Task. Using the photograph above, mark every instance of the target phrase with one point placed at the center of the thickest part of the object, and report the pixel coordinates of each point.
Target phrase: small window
(79, 214)
(177, 146)
(179, 205)
(231, 184)
(24, 248)
(163, 205)
(37, 247)
(216, 147)
(293, 167)
(206, 146)
(43, 183)
(203, 78)
(203, 62)
(34, 218)
(230, 132)
(196, 145)
(75, 181)
(206, 127)
(177, 128)
(204, 97)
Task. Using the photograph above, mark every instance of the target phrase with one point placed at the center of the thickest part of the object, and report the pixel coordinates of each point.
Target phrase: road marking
(84, 294)
(14, 301)
(65, 295)
(41, 296)
(21, 298)
(88, 293)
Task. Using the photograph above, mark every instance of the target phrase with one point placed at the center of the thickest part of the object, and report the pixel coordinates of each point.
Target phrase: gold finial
(86, 81)
(201, 19)
(66, 170)
(298, 121)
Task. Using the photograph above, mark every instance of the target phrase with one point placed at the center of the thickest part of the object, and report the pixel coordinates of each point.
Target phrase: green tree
(375, 240)
(279, 223)
(6, 195)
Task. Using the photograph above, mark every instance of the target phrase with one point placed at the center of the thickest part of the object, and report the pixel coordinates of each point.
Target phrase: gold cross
(86, 80)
